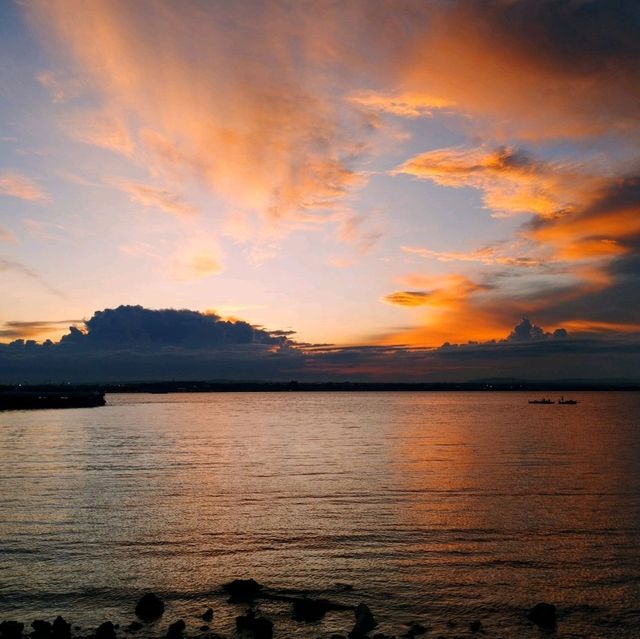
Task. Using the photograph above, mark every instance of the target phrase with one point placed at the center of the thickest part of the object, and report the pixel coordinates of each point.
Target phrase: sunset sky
(379, 175)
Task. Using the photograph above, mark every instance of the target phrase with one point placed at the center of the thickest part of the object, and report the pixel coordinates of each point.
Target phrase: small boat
(541, 401)
(562, 400)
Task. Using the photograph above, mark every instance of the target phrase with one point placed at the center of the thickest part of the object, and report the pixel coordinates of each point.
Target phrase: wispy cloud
(33, 329)
(485, 255)
(45, 230)
(15, 267)
(197, 260)
(49, 80)
(409, 105)
(228, 106)
(102, 130)
(408, 298)
(6, 235)
(15, 184)
(155, 197)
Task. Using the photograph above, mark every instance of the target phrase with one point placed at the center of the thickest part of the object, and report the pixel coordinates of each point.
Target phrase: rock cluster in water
(149, 607)
(242, 590)
(250, 624)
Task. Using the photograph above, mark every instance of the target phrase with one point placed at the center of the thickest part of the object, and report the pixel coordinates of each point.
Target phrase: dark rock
(543, 615)
(204, 628)
(11, 629)
(310, 609)
(415, 630)
(257, 627)
(60, 628)
(476, 626)
(106, 630)
(365, 621)
(41, 628)
(207, 615)
(451, 623)
(242, 589)
(149, 607)
(176, 629)
(134, 626)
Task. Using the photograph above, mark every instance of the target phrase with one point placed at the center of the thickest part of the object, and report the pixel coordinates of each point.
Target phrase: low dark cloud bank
(134, 343)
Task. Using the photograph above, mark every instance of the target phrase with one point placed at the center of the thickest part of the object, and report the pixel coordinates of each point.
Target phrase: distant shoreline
(163, 387)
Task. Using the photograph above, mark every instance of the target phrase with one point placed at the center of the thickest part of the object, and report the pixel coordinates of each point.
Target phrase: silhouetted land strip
(219, 386)
(28, 399)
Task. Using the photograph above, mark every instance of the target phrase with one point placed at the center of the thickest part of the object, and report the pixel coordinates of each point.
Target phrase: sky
(377, 189)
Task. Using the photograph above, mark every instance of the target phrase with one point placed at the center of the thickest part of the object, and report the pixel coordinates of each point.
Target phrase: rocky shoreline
(251, 624)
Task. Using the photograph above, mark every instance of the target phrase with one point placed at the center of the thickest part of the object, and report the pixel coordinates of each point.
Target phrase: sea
(438, 508)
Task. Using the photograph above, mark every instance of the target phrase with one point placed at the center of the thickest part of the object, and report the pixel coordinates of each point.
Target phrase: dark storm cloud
(525, 331)
(135, 326)
(279, 333)
(582, 34)
(618, 303)
(595, 39)
(134, 343)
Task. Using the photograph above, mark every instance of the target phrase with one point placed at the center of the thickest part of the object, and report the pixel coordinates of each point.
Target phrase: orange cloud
(17, 185)
(511, 181)
(589, 234)
(452, 309)
(579, 229)
(603, 229)
(590, 248)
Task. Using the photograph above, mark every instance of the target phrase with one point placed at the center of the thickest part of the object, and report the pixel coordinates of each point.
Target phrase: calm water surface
(433, 506)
